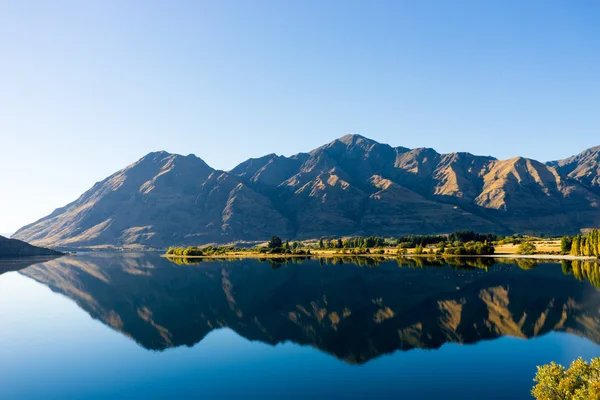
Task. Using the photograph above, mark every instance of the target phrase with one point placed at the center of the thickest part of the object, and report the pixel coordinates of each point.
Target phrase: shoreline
(551, 257)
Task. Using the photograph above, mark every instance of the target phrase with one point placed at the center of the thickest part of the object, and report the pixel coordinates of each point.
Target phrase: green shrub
(526, 248)
(580, 381)
(192, 251)
(471, 249)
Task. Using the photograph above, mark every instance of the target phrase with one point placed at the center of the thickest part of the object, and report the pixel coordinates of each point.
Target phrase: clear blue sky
(87, 87)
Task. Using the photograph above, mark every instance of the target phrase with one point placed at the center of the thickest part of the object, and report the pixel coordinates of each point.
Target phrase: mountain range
(351, 186)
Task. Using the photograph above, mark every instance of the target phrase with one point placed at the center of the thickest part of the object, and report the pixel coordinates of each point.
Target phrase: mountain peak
(162, 157)
(352, 138)
(583, 167)
(156, 154)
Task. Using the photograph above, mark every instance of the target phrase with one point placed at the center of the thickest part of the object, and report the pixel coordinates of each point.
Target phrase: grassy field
(543, 247)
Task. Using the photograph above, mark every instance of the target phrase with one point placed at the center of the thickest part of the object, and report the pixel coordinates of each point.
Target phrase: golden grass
(543, 247)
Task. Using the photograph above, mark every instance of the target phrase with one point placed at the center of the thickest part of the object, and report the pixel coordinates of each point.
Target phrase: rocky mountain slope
(584, 168)
(16, 248)
(355, 314)
(351, 186)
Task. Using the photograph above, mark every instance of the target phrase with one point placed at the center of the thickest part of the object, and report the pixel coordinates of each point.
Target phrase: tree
(526, 248)
(575, 245)
(565, 244)
(192, 251)
(321, 245)
(275, 243)
(581, 381)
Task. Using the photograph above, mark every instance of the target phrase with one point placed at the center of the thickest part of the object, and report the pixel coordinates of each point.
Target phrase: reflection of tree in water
(462, 263)
(583, 270)
(526, 263)
(275, 263)
(184, 261)
(355, 260)
(410, 262)
(470, 262)
(369, 262)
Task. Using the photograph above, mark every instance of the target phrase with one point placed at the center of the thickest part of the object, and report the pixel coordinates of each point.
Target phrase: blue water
(58, 341)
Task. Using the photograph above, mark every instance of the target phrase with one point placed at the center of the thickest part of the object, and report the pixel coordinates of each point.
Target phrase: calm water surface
(140, 326)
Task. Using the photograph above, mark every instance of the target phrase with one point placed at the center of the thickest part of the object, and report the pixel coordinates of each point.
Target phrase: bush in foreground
(581, 381)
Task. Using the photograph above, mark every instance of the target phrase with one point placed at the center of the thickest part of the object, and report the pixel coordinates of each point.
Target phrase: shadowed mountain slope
(351, 186)
(16, 248)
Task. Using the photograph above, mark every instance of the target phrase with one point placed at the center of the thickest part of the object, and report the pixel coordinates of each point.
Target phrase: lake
(135, 325)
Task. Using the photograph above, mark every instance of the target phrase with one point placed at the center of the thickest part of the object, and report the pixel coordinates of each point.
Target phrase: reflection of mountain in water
(355, 313)
(16, 264)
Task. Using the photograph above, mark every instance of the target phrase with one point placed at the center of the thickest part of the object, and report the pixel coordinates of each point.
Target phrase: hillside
(583, 167)
(17, 248)
(351, 186)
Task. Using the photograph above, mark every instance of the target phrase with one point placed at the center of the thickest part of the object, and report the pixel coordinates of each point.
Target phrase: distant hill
(17, 248)
(351, 186)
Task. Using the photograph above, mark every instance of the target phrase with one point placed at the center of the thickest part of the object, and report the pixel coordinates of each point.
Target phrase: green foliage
(526, 248)
(204, 251)
(565, 244)
(514, 239)
(192, 251)
(358, 242)
(275, 243)
(581, 381)
(470, 236)
(402, 250)
(419, 250)
(412, 241)
(175, 251)
(471, 249)
(586, 245)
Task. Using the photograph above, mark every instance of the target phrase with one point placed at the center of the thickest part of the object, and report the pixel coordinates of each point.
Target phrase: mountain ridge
(350, 186)
(14, 248)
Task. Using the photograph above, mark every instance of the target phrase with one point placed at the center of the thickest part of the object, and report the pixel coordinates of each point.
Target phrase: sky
(88, 87)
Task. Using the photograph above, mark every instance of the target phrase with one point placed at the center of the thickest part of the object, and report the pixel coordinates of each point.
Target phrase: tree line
(408, 241)
(456, 243)
(582, 245)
